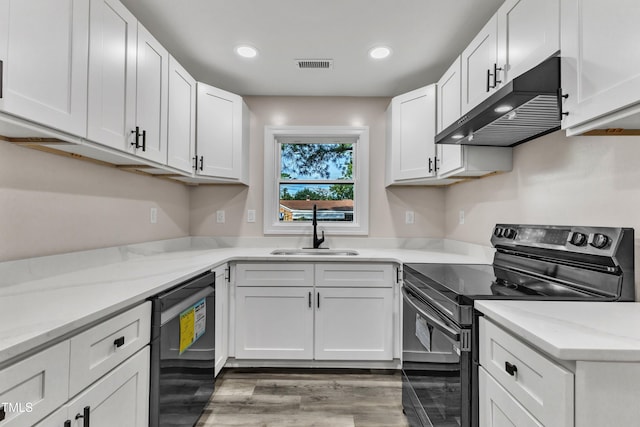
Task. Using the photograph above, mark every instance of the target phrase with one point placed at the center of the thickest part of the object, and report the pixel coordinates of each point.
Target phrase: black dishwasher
(182, 352)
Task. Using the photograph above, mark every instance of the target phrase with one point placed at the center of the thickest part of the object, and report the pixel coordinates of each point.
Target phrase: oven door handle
(432, 317)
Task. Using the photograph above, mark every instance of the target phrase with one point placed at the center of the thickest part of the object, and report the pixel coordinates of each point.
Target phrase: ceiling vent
(314, 64)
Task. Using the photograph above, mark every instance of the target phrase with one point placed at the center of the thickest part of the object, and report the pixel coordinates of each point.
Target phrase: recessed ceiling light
(379, 52)
(457, 136)
(246, 51)
(503, 108)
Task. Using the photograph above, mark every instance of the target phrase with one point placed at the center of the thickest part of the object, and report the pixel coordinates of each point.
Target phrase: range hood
(527, 107)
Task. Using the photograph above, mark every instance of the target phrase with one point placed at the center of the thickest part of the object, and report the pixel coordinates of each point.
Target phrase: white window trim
(360, 224)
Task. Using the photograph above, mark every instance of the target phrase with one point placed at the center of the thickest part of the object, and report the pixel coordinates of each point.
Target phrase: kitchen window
(322, 166)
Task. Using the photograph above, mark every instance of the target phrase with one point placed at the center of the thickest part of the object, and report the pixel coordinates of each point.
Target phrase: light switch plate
(220, 217)
(153, 215)
(461, 218)
(251, 215)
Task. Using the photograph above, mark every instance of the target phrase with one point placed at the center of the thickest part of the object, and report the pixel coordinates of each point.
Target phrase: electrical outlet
(409, 217)
(461, 218)
(251, 215)
(220, 217)
(153, 215)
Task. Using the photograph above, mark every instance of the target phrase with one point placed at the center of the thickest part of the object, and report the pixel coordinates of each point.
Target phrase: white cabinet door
(449, 157)
(498, 408)
(600, 60)
(44, 54)
(274, 323)
(479, 63)
(354, 324)
(410, 144)
(35, 386)
(181, 135)
(121, 398)
(528, 33)
(222, 319)
(221, 134)
(152, 87)
(449, 96)
(112, 74)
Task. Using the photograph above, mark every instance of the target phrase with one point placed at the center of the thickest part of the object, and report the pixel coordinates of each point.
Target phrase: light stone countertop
(585, 331)
(38, 307)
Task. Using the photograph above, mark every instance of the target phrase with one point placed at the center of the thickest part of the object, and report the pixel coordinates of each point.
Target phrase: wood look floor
(288, 398)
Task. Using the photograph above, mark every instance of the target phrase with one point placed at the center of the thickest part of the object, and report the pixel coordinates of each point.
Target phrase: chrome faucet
(316, 242)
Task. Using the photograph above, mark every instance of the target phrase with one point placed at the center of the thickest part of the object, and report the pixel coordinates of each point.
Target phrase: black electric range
(532, 262)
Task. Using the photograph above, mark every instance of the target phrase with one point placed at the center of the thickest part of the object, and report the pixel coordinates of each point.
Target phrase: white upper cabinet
(43, 60)
(480, 74)
(222, 135)
(152, 89)
(528, 33)
(112, 74)
(449, 110)
(600, 64)
(181, 144)
(411, 129)
(458, 160)
(521, 35)
(128, 83)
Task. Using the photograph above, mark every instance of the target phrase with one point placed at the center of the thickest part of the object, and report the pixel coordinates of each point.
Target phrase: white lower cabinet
(522, 387)
(354, 324)
(222, 318)
(498, 408)
(121, 398)
(101, 373)
(274, 322)
(326, 311)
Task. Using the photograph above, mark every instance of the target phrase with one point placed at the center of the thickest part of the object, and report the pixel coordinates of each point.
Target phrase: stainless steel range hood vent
(533, 101)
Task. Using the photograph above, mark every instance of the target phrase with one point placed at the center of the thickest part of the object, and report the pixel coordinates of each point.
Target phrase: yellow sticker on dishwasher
(192, 324)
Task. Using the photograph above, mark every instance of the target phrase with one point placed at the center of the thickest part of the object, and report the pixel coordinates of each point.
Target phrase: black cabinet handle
(119, 342)
(511, 369)
(488, 80)
(495, 75)
(435, 164)
(85, 416)
(195, 163)
(67, 423)
(318, 299)
(136, 142)
(201, 162)
(3, 413)
(144, 140)
(559, 98)
(430, 165)
(1, 76)
(309, 299)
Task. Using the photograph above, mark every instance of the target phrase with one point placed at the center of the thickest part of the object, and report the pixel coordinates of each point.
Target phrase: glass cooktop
(462, 282)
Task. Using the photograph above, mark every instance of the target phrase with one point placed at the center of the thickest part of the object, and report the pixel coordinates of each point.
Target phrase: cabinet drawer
(543, 387)
(354, 275)
(34, 387)
(498, 407)
(101, 348)
(274, 274)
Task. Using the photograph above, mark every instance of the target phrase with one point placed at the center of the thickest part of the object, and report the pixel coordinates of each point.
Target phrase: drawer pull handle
(511, 369)
(85, 416)
(67, 423)
(3, 413)
(119, 342)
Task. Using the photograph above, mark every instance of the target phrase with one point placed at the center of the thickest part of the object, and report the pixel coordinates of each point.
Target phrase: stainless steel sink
(334, 252)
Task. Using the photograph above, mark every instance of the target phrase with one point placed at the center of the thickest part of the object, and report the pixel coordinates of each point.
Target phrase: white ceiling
(425, 37)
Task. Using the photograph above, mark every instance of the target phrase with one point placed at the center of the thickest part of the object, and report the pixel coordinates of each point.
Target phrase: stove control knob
(578, 239)
(498, 232)
(599, 241)
(509, 233)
